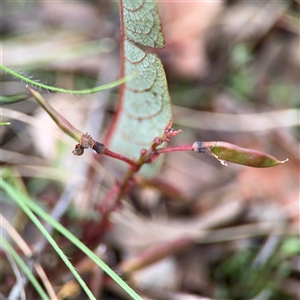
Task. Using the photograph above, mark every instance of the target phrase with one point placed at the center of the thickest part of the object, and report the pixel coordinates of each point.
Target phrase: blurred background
(199, 230)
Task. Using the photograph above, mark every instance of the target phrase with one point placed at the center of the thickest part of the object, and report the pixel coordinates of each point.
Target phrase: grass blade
(19, 198)
(24, 267)
(41, 213)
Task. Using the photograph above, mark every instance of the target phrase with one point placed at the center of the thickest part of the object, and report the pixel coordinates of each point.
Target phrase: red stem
(108, 203)
(119, 106)
(120, 157)
(173, 149)
(154, 152)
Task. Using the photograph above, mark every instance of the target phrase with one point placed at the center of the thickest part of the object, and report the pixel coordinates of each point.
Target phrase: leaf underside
(144, 104)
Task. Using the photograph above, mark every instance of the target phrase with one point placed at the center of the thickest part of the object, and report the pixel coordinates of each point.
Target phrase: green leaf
(224, 151)
(144, 104)
(142, 23)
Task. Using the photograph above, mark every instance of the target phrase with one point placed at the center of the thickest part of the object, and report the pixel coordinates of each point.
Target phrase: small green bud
(223, 152)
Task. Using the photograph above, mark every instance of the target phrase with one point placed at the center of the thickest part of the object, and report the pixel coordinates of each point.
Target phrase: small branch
(84, 139)
(120, 157)
(173, 149)
(108, 203)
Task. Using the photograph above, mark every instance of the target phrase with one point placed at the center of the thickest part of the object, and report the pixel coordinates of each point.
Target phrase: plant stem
(173, 149)
(120, 157)
(72, 92)
(136, 166)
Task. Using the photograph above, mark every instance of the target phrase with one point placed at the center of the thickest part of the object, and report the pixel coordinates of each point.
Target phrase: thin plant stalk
(61, 90)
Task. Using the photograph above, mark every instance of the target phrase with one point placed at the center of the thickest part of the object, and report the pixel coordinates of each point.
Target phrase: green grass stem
(23, 204)
(61, 90)
(41, 213)
(24, 267)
